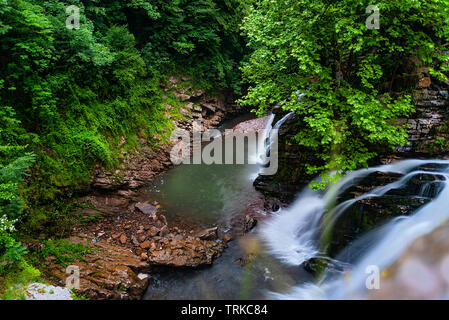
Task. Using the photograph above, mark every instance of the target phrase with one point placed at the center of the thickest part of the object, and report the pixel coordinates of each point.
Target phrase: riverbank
(120, 219)
(165, 224)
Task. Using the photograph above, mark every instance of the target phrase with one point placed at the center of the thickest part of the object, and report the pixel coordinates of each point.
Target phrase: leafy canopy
(68, 96)
(324, 50)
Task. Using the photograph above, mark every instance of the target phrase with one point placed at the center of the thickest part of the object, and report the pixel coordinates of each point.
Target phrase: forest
(78, 77)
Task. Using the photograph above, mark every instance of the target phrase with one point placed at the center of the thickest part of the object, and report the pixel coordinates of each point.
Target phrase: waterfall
(282, 120)
(270, 137)
(261, 144)
(292, 235)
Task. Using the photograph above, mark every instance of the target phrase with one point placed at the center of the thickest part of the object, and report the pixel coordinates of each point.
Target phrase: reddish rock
(104, 270)
(153, 231)
(146, 208)
(227, 237)
(164, 231)
(145, 245)
(424, 82)
(123, 239)
(134, 240)
(190, 252)
(249, 223)
(208, 234)
(144, 256)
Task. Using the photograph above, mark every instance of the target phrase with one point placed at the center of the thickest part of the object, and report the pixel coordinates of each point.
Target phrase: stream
(308, 249)
(208, 195)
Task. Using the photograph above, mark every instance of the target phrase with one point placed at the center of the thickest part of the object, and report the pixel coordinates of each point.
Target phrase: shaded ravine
(369, 218)
(223, 195)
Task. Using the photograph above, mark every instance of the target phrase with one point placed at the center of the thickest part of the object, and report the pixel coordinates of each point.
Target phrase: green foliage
(11, 176)
(69, 95)
(13, 285)
(64, 251)
(439, 146)
(11, 205)
(201, 34)
(53, 220)
(346, 71)
(75, 296)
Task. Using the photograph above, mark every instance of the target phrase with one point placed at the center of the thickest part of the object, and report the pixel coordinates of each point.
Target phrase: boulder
(227, 237)
(208, 234)
(145, 244)
(367, 214)
(123, 239)
(190, 252)
(249, 223)
(421, 272)
(146, 208)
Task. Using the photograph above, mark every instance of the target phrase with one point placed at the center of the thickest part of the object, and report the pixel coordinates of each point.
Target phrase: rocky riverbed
(129, 235)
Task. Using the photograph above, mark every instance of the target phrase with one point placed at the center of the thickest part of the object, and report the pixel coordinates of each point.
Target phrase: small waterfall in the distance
(293, 234)
(270, 137)
(262, 142)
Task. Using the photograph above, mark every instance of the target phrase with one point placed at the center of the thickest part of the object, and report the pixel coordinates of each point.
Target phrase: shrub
(324, 50)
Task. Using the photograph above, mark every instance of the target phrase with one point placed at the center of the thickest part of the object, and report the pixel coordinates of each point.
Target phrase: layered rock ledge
(107, 272)
(128, 239)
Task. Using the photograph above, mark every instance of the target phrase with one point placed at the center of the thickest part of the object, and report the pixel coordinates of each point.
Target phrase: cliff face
(429, 125)
(428, 138)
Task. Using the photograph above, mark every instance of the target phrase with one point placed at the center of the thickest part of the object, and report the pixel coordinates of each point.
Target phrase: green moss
(75, 296)
(64, 251)
(16, 280)
(440, 145)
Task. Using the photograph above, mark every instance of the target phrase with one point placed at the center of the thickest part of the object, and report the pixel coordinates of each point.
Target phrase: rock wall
(429, 125)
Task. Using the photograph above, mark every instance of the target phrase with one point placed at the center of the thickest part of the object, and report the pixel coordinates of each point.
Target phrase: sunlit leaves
(324, 49)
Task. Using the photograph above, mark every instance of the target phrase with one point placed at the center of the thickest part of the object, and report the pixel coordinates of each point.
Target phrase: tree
(69, 95)
(345, 70)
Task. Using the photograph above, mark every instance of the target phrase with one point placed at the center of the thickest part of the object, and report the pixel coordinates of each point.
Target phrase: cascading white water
(270, 136)
(269, 142)
(273, 134)
(293, 234)
(378, 192)
(261, 144)
(282, 120)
